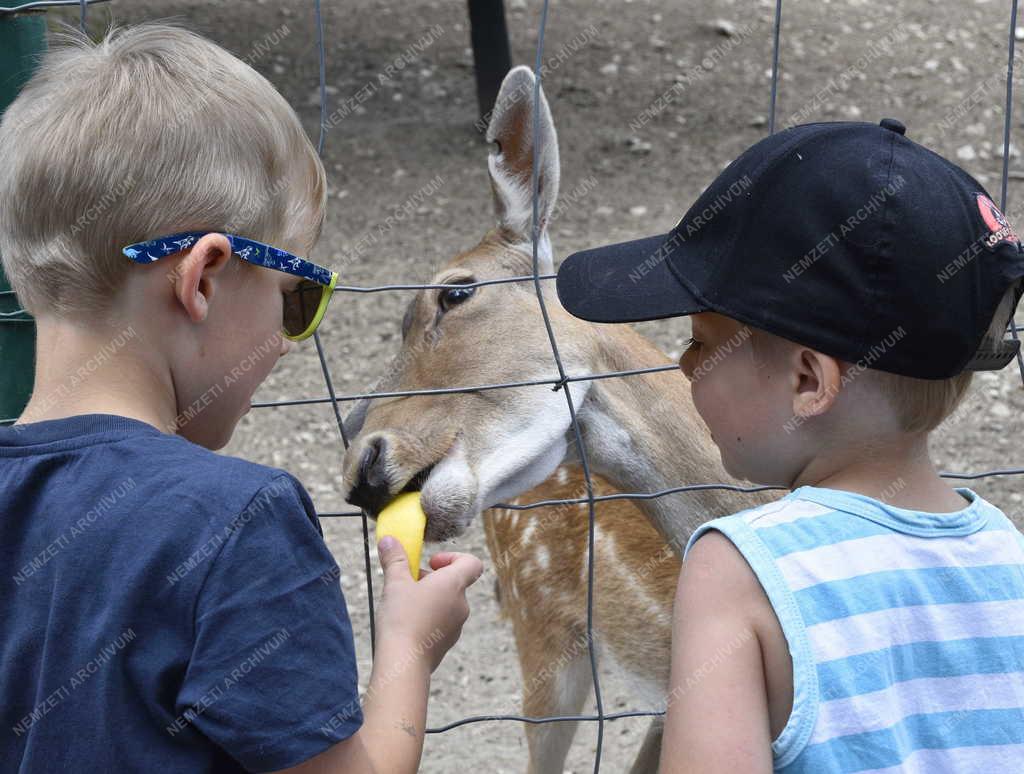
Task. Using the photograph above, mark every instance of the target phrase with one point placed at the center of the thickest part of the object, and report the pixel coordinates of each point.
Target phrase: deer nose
(371, 490)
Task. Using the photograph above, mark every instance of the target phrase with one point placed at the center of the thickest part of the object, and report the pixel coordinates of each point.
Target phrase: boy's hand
(426, 615)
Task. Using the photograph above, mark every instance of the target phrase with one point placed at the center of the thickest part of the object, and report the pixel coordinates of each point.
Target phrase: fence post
(492, 57)
(22, 40)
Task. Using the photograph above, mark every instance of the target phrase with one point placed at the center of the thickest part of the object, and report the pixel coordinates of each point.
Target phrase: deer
(466, 452)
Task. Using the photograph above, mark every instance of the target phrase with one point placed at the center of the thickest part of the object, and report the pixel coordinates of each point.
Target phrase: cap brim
(625, 282)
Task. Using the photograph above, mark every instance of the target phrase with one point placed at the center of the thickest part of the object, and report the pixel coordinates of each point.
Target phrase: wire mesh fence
(563, 378)
(560, 377)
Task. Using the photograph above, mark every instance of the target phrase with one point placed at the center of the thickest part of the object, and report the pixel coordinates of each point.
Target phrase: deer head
(468, 451)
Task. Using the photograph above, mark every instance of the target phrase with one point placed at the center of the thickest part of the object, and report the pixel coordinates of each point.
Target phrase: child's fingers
(393, 560)
(466, 566)
(442, 559)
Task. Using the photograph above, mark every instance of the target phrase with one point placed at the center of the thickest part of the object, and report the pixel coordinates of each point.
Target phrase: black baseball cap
(847, 237)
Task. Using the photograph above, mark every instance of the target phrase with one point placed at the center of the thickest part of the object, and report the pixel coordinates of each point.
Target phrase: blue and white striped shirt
(906, 631)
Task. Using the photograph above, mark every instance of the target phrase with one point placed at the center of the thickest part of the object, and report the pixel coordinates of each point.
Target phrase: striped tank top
(906, 631)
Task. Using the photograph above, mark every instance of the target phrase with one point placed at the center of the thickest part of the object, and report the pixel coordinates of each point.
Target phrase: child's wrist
(402, 659)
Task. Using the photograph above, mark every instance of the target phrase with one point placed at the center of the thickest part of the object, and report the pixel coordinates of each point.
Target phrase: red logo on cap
(997, 223)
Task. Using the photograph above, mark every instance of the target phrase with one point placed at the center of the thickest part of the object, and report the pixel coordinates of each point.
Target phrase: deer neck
(643, 434)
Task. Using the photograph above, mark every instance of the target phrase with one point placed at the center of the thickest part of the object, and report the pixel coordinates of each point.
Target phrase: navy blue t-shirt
(162, 607)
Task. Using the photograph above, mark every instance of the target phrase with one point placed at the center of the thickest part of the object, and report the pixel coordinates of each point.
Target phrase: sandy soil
(921, 62)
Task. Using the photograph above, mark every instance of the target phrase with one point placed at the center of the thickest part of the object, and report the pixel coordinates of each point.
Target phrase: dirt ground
(937, 65)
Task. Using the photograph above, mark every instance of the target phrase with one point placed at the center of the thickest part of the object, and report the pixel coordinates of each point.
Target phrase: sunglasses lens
(300, 306)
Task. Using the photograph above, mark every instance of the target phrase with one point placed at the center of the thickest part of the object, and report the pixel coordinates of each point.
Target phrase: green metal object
(22, 40)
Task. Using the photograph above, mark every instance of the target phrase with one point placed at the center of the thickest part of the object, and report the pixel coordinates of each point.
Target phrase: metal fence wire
(562, 378)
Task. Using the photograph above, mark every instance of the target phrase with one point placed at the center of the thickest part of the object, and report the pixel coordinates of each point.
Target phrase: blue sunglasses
(304, 307)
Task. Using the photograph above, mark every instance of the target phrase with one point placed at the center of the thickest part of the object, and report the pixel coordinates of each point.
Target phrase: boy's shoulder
(786, 509)
(197, 466)
(213, 484)
(814, 517)
(107, 453)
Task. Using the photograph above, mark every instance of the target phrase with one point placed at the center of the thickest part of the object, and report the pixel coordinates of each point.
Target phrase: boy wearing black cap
(844, 282)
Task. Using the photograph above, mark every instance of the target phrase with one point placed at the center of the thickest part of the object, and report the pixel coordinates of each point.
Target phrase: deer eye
(450, 297)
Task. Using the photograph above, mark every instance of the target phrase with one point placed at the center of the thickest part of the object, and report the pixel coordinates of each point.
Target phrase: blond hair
(151, 131)
(921, 405)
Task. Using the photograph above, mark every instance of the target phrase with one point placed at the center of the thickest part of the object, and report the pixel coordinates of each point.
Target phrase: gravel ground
(935, 65)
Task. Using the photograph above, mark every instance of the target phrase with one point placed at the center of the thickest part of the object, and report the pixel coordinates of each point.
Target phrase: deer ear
(510, 162)
(354, 420)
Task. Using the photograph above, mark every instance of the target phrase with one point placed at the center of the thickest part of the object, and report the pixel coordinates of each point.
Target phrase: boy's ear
(194, 276)
(817, 378)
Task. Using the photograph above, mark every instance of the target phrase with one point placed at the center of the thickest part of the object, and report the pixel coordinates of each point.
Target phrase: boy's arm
(417, 623)
(393, 698)
(717, 719)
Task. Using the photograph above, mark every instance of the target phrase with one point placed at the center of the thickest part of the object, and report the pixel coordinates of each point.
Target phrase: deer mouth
(415, 484)
(378, 499)
(443, 502)
(453, 490)
(448, 494)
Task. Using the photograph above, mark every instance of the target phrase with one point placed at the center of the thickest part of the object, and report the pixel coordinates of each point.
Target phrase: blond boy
(169, 608)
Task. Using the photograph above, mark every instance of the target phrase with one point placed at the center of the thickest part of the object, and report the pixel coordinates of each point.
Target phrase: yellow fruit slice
(404, 519)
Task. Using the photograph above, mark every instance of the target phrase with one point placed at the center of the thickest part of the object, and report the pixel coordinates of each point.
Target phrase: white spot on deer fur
(543, 557)
(524, 536)
(600, 546)
(607, 561)
(656, 609)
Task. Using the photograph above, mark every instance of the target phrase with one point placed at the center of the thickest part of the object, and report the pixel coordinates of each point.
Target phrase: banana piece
(403, 518)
